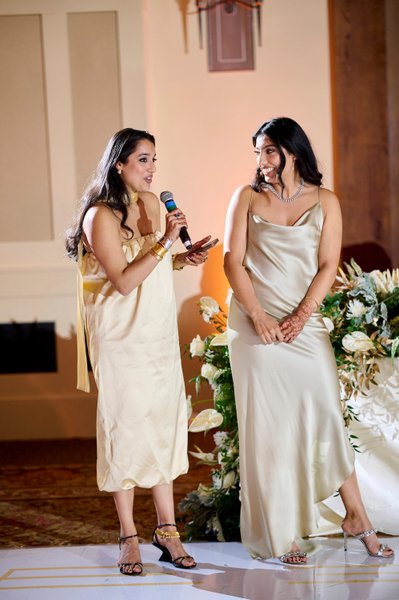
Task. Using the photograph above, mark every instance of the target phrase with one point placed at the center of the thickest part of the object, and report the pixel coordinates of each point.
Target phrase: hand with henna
(292, 325)
(267, 328)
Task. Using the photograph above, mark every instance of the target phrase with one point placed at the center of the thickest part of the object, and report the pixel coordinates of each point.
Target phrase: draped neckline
(296, 223)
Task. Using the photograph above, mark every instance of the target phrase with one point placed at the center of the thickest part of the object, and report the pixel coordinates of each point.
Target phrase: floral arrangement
(214, 511)
(362, 317)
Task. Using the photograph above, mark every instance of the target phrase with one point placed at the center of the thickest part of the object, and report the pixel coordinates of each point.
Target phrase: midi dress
(294, 449)
(134, 351)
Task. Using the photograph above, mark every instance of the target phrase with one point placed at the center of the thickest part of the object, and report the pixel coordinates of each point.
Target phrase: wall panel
(25, 203)
(96, 102)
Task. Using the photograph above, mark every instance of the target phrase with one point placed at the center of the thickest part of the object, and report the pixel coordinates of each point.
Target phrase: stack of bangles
(161, 248)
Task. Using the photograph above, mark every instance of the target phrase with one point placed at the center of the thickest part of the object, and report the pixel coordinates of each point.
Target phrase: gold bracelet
(175, 266)
(158, 251)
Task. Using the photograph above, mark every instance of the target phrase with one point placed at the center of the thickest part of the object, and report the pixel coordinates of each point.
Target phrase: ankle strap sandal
(166, 556)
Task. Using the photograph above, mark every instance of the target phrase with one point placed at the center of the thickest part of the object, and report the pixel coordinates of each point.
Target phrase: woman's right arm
(235, 245)
(102, 230)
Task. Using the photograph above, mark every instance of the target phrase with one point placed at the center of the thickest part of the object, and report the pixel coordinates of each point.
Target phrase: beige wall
(203, 124)
(204, 121)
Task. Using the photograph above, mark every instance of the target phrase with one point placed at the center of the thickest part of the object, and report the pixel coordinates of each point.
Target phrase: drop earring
(119, 171)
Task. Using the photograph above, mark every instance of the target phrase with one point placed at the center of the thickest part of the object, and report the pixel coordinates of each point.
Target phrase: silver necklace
(271, 189)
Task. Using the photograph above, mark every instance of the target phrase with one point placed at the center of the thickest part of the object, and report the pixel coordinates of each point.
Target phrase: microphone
(167, 199)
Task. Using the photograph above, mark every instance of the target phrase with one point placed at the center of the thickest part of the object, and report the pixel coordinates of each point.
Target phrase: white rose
(329, 324)
(219, 340)
(197, 346)
(209, 372)
(208, 307)
(357, 341)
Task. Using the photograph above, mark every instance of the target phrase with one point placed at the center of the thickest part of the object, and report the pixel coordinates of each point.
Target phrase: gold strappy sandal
(166, 555)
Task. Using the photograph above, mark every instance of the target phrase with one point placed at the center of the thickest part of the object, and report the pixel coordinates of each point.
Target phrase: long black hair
(286, 133)
(107, 185)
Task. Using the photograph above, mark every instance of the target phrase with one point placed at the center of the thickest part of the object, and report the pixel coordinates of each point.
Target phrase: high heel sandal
(166, 555)
(361, 536)
(295, 554)
(121, 565)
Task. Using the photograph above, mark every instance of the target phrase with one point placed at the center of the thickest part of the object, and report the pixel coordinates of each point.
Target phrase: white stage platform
(225, 571)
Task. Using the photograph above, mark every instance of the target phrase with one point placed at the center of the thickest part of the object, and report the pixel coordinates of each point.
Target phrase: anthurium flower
(329, 324)
(357, 341)
(219, 340)
(206, 419)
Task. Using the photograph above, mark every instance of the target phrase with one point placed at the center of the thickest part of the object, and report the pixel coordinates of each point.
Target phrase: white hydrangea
(220, 437)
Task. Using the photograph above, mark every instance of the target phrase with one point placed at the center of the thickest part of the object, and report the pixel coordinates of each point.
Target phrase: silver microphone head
(166, 196)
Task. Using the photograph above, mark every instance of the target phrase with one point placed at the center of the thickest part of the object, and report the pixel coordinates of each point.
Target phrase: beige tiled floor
(224, 571)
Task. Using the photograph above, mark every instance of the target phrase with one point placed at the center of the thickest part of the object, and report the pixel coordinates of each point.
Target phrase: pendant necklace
(278, 195)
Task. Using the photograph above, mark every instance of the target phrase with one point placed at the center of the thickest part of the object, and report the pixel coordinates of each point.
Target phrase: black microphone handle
(185, 238)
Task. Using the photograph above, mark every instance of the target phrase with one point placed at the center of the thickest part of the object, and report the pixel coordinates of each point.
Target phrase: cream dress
(294, 450)
(134, 351)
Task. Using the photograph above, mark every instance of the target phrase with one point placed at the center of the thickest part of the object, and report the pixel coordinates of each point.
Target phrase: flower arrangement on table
(362, 317)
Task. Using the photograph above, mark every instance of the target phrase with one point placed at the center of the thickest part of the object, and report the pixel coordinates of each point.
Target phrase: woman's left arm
(329, 254)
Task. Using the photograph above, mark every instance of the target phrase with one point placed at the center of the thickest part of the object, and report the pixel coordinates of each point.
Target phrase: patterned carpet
(59, 504)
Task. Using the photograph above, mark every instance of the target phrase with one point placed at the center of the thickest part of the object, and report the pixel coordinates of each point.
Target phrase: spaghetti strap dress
(294, 449)
(134, 351)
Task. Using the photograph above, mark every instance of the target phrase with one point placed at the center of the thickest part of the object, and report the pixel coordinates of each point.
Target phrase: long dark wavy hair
(286, 133)
(106, 185)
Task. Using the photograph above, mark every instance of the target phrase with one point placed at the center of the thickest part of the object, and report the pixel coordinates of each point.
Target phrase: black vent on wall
(28, 348)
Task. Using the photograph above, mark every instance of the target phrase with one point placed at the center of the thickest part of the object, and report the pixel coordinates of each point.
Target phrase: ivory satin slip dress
(294, 449)
(134, 352)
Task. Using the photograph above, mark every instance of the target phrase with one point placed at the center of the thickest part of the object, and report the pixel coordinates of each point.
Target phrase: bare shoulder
(241, 197)
(100, 213)
(329, 201)
(149, 199)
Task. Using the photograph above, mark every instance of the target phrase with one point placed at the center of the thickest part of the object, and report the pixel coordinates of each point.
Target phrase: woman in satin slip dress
(127, 310)
(282, 248)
